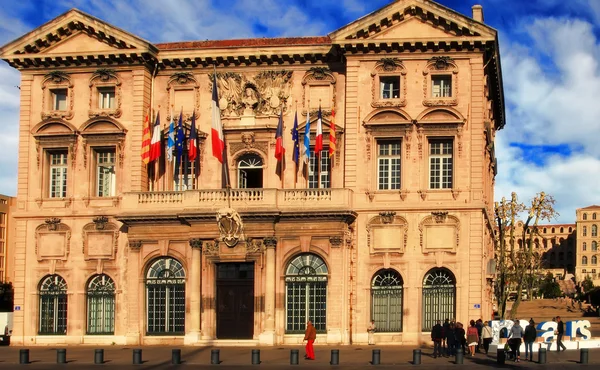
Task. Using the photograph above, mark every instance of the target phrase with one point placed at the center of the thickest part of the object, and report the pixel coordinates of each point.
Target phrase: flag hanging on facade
(306, 149)
(218, 142)
(156, 139)
(319, 137)
(295, 139)
(193, 141)
(179, 139)
(279, 149)
(332, 138)
(171, 140)
(146, 139)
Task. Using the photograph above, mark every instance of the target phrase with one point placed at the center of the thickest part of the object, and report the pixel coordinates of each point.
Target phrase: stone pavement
(350, 357)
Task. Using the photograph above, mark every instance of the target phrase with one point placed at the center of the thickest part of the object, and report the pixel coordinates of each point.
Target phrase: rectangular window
(184, 173)
(318, 176)
(58, 174)
(59, 99)
(106, 97)
(441, 86)
(440, 164)
(105, 173)
(388, 165)
(389, 87)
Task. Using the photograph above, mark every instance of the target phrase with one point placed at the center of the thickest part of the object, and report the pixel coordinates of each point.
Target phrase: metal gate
(439, 297)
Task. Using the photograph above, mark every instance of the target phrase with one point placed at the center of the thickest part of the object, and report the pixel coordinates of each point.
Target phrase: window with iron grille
(165, 297)
(105, 172)
(439, 297)
(101, 305)
(440, 164)
(58, 174)
(318, 176)
(306, 293)
(386, 300)
(388, 165)
(53, 305)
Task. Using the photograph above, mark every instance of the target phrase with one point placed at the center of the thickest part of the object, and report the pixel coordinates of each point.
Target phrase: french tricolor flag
(319, 139)
(218, 144)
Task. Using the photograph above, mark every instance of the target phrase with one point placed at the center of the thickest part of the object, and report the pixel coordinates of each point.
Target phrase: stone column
(195, 293)
(268, 334)
(132, 295)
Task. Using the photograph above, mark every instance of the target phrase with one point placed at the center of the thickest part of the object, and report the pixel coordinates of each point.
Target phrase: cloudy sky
(549, 51)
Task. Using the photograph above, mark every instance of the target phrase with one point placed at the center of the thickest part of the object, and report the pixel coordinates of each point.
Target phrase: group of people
(449, 337)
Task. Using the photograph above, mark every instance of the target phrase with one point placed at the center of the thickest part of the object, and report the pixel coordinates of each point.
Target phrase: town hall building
(394, 223)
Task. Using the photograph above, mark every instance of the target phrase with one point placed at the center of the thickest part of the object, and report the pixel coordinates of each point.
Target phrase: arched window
(594, 246)
(165, 297)
(250, 172)
(53, 305)
(101, 305)
(594, 230)
(561, 230)
(585, 216)
(584, 260)
(306, 293)
(593, 216)
(439, 297)
(585, 231)
(584, 247)
(594, 260)
(386, 300)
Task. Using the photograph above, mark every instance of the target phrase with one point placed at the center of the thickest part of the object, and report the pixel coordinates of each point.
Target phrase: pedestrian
(371, 332)
(515, 335)
(446, 327)
(486, 334)
(529, 338)
(437, 333)
(451, 339)
(310, 335)
(560, 330)
(459, 333)
(479, 326)
(472, 337)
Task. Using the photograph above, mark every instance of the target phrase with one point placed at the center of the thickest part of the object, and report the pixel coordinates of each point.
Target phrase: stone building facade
(6, 203)
(588, 221)
(394, 226)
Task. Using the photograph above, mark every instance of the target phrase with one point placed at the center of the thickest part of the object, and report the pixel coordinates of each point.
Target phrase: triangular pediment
(75, 33)
(411, 20)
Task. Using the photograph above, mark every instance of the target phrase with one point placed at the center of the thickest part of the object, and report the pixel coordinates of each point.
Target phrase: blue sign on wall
(477, 305)
(17, 308)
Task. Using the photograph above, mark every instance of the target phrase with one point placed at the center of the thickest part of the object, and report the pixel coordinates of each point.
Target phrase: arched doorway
(386, 301)
(100, 294)
(165, 297)
(439, 297)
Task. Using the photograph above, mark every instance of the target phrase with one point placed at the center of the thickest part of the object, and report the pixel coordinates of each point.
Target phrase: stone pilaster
(268, 334)
(195, 293)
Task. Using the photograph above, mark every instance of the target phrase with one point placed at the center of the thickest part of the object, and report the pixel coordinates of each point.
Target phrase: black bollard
(61, 356)
(99, 356)
(335, 357)
(500, 355)
(583, 355)
(459, 357)
(214, 357)
(416, 357)
(542, 356)
(294, 357)
(376, 357)
(176, 356)
(137, 356)
(23, 356)
(256, 357)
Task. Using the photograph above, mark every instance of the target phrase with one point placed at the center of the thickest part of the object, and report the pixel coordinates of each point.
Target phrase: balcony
(242, 200)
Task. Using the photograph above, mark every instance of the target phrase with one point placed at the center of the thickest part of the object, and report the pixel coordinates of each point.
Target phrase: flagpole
(224, 166)
(296, 142)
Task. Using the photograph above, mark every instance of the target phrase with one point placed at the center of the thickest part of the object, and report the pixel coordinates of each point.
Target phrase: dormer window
(106, 97)
(59, 99)
(441, 86)
(389, 87)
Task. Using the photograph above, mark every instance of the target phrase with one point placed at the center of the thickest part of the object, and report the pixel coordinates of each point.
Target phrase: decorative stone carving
(387, 217)
(442, 65)
(196, 243)
(183, 81)
(211, 248)
(388, 67)
(371, 195)
(57, 80)
(318, 78)
(254, 246)
(100, 222)
(445, 232)
(104, 77)
(248, 142)
(135, 245)
(423, 194)
(270, 242)
(231, 228)
(52, 223)
(336, 241)
(455, 193)
(403, 193)
(439, 216)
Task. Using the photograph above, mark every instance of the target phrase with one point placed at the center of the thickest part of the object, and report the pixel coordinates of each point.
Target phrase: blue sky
(549, 48)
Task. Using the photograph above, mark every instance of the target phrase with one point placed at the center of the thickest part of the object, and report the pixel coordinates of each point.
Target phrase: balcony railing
(240, 199)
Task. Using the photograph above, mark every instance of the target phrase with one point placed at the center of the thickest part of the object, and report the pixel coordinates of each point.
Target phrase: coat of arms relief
(263, 94)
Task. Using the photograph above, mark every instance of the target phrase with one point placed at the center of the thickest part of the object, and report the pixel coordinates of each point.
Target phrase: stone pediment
(75, 33)
(411, 20)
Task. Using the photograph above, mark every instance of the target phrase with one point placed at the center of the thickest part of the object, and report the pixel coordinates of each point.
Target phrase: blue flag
(171, 140)
(179, 138)
(306, 149)
(296, 139)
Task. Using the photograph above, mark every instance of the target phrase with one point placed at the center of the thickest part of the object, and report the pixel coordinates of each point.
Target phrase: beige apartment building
(588, 220)
(394, 226)
(6, 203)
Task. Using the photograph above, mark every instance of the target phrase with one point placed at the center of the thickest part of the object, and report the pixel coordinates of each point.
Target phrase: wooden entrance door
(235, 300)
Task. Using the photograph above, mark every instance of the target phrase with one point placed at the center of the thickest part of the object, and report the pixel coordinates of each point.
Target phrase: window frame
(442, 156)
(388, 68)
(103, 296)
(388, 290)
(175, 285)
(440, 66)
(51, 296)
(442, 80)
(51, 83)
(49, 153)
(55, 93)
(104, 95)
(323, 177)
(104, 79)
(388, 141)
(96, 151)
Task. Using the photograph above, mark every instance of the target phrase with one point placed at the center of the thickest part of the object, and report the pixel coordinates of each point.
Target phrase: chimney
(478, 13)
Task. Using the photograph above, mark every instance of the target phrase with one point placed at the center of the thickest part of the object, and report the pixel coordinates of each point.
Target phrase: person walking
(446, 327)
(371, 332)
(437, 333)
(560, 330)
(459, 333)
(310, 335)
(472, 337)
(451, 339)
(479, 326)
(486, 335)
(515, 335)
(529, 338)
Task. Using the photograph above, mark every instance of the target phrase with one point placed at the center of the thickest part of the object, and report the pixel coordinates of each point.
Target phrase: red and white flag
(319, 139)
(218, 143)
(156, 139)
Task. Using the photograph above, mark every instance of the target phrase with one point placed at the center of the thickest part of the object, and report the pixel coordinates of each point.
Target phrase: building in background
(384, 212)
(6, 203)
(588, 221)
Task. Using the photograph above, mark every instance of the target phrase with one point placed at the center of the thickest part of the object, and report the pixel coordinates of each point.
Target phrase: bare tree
(517, 262)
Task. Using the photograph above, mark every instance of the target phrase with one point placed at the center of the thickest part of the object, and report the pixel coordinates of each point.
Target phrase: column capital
(196, 244)
(270, 242)
(135, 245)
